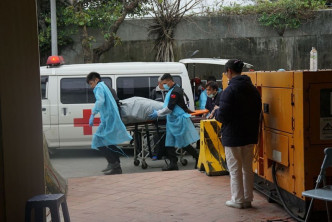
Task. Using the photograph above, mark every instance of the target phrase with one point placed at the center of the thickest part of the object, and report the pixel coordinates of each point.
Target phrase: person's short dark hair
(167, 76)
(234, 64)
(92, 76)
(213, 85)
(211, 78)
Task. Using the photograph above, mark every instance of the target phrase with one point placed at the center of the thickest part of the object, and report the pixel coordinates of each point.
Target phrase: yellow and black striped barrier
(212, 158)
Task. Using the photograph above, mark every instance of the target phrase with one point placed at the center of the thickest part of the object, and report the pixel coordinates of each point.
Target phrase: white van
(67, 99)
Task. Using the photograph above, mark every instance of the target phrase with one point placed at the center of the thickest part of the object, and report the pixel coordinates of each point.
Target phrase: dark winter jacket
(158, 94)
(211, 102)
(239, 111)
(116, 98)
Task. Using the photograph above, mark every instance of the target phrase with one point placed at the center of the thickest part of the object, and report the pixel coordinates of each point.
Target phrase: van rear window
(77, 91)
(139, 86)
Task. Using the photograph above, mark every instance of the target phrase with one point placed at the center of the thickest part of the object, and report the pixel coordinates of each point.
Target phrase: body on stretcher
(134, 114)
(144, 134)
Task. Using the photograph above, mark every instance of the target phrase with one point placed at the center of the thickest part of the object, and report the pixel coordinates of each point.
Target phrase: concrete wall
(21, 150)
(226, 37)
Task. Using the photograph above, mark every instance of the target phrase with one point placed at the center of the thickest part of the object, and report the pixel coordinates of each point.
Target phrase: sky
(202, 7)
(217, 3)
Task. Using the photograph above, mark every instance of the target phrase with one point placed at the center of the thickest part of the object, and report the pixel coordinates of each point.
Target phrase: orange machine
(297, 108)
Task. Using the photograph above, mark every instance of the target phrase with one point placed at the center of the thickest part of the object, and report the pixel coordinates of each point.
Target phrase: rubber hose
(279, 194)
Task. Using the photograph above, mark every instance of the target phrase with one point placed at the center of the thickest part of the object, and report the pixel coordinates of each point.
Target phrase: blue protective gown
(202, 99)
(111, 130)
(180, 131)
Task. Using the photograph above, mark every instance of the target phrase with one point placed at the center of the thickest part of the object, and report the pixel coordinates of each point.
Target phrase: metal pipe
(54, 32)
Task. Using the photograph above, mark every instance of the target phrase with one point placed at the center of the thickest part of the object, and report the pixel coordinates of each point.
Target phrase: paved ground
(175, 196)
(88, 162)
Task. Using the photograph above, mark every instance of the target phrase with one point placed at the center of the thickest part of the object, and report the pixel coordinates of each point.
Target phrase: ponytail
(234, 64)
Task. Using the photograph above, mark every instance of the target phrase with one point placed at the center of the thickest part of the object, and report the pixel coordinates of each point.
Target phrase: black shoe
(169, 167)
(114, 171)
(108, 168)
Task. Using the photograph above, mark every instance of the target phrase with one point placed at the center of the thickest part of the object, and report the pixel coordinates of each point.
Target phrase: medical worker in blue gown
(180, 131)
(111, 130)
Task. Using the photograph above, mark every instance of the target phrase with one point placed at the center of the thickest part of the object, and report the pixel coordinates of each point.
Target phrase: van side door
(45, 103)
(49, 110)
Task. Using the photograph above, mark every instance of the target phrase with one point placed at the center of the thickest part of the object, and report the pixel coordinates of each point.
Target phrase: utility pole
(54, 32)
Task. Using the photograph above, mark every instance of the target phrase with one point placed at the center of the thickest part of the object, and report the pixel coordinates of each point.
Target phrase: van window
(43, 84)
(138, 86)
(77, 91)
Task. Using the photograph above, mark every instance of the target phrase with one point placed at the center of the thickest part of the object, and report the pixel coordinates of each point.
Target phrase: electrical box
(297, 126)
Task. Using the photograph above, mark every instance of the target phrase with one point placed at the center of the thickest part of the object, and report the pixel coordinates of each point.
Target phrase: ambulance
(67, 100)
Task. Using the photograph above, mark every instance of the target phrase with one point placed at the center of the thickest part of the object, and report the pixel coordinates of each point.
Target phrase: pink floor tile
(161, 196)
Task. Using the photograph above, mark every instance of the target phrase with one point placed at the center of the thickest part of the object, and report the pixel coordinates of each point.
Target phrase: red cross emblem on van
(84, 122)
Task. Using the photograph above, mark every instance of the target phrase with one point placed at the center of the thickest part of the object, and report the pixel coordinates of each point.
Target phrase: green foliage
(82, 14)
(44, 34)
(280, 14)
(96, 14)
(288, 14)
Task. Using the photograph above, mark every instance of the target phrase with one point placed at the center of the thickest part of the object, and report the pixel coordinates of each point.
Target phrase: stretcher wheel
(144, 165)
(136, 162)
(184, 162)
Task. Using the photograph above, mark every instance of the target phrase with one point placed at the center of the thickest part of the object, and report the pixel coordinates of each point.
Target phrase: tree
(80, 15)
(105, 15)
(167, 15)
(44, 28)
(278, 14)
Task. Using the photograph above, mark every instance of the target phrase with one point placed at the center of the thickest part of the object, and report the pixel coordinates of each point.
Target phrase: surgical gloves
(153, 115)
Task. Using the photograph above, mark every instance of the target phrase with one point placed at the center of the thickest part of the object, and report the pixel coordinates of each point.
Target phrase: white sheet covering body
(137, 109)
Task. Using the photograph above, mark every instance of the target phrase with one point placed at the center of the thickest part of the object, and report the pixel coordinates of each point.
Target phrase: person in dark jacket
(116, 98)
(158, 93)
(213, 97)
(239, 112)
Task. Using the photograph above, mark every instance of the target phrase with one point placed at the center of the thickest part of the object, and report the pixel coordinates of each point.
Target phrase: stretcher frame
(142, 135)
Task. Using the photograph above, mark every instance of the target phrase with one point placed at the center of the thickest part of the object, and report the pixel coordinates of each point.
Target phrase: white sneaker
(247, 205)
(230, 203)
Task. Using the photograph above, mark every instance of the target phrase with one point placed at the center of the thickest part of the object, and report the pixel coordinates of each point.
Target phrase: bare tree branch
(97, 52)
(167, 15)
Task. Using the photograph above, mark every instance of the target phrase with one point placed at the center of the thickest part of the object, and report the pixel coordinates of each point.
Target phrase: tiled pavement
(186, 195)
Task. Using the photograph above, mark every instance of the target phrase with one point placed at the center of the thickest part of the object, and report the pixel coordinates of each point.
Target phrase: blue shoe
(154, 158)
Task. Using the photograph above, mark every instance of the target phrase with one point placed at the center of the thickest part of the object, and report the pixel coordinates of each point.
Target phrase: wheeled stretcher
(148, 134)
(145, 142)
